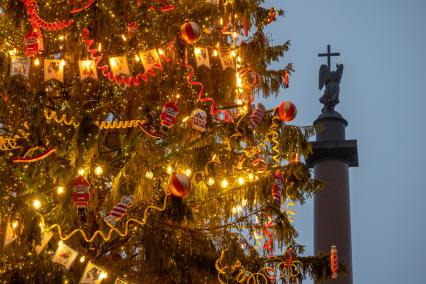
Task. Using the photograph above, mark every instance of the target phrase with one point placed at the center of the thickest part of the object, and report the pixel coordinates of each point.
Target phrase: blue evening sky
(383, 46)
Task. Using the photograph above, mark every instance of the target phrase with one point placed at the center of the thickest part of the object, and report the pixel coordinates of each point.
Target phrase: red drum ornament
(190, 32)
(31, 40)
(287, 111)
(179, 185)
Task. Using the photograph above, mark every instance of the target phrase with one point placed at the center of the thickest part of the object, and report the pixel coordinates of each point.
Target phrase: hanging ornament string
(273, 133)
(9, 143)
(37, 22)
(106, 236)
(63, 120)
(213, 110)
(116, 124)
(123, 79)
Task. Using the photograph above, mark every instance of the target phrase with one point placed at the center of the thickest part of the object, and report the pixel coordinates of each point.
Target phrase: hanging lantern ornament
(190, 32)
(287, 111)
(31, 40)
(168, 116)
(81, 196)
(334, 262)
(179, 185)
(199, 119)
(277, 187)
(131, 30)
(256, 116)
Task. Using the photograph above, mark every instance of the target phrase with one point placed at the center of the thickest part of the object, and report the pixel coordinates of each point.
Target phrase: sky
(382, 45)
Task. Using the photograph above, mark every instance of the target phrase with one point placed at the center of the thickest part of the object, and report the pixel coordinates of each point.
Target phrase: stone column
(331, 159)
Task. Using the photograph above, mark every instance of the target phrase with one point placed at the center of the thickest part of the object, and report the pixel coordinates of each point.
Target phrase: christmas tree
(133, 150)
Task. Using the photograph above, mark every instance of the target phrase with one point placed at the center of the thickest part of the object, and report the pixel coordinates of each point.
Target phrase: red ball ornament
(190, 32)
(179, 185)
(287, 111)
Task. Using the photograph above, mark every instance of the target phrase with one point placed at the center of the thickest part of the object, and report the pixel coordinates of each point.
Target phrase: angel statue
(331, 81)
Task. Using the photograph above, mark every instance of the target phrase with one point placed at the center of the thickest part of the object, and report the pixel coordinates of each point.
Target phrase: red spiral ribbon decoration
(269, 240)
(213, 110)
(84, 7)
(38, 22)
(106, 72)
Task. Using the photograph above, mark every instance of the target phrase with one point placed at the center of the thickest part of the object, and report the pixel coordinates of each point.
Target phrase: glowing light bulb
(251, 177)
(81, 172)
(123, 37)
(197, 51)
(103, 275)
(233, 53)
(161, 51)
(99, 170)
(36, 62)
(234, 210)
(60, 190)
(36, 204)
(60, 243)
(215, 53)
(61, 37)
(15, 224)
(210, 181)
(82, 259)
(63, 63)
(137, 58)
(241, 181)
(149, 175)
(185, 119)
(99, 47)
(169, 170)
(188, 172)
(224, 183)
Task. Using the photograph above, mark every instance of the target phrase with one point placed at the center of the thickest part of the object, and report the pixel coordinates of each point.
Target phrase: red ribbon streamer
(35, 158)
(38, 22)
(84, 7)
(269, 243)
(123, 79)
(213, 110)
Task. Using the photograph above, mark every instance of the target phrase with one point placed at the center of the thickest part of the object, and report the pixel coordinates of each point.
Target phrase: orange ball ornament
(287, 111)
(179, 185)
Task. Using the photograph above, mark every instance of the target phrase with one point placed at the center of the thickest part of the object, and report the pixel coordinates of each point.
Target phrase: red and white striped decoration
(277, 187)
(179, 185)
(190, 32)
(287, 111)
(119, 210)
(256, 116)
(334, 262)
